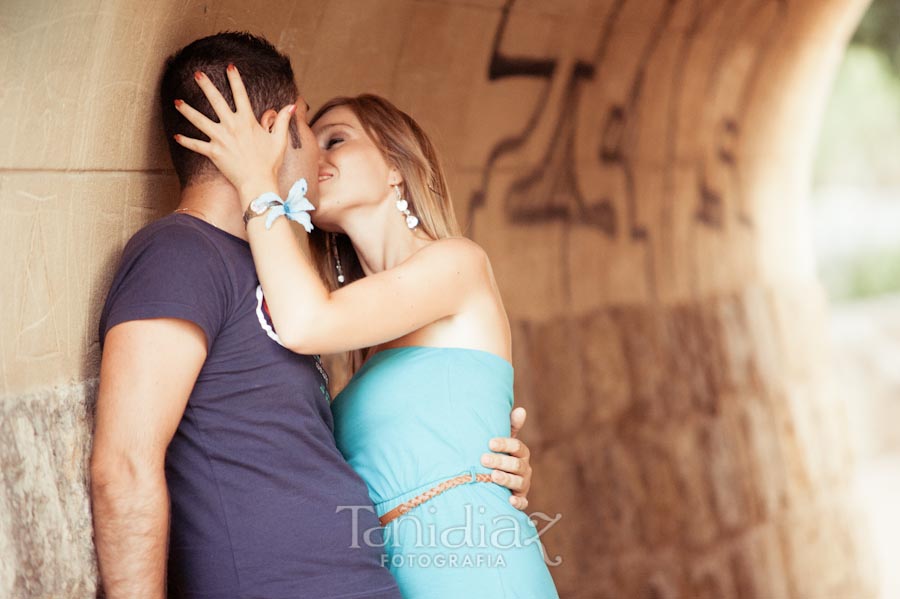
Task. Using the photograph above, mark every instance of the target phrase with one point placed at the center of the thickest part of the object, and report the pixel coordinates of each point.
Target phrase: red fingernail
(177, 137)
(178, 103)
(230, 67)
(198, 75)
(292, 109)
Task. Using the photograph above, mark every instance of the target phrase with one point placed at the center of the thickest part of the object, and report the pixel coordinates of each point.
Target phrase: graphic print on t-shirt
(265, 322)
(265, 319)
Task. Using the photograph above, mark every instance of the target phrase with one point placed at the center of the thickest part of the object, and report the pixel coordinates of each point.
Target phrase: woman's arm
(432, 284)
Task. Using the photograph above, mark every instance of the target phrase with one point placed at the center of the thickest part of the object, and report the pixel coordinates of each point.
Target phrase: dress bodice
(416, 415)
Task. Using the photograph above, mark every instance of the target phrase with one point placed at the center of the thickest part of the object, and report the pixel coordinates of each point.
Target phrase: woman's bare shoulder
(455, 256)
(461, 250)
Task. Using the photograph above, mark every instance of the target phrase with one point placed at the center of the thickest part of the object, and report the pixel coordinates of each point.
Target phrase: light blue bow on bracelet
(296, 208)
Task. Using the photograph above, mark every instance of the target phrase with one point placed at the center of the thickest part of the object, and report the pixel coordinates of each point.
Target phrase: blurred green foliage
(860, 136)
(862, 275)
(860, 147)
(880, 30)
(859, 142)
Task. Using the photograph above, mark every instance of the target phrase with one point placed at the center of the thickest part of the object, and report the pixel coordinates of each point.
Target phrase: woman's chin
(325, 225)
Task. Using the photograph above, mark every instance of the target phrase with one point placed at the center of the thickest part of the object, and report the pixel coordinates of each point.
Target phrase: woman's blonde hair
(406, 147)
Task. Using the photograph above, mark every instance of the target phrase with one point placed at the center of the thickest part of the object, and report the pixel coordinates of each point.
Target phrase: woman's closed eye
(333, 141)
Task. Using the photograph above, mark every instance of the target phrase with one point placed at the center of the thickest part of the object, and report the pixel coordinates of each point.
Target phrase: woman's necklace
(203, 216)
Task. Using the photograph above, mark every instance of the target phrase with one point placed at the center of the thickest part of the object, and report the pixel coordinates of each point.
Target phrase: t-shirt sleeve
(175, 273)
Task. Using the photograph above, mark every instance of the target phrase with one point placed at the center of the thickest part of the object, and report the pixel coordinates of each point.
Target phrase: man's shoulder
(171, 268)
(173, 232)
(178, 249)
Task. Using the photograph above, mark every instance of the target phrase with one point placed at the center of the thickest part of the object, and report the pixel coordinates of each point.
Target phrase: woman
(418, 306)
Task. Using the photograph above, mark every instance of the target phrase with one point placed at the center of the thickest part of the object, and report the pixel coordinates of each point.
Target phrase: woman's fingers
(197, 118)
(283, 121)
(216, 100)
(238, 91)
(242, 149)
(201, 147)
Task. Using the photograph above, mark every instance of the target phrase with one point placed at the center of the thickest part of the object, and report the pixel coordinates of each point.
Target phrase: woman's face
(352, 170)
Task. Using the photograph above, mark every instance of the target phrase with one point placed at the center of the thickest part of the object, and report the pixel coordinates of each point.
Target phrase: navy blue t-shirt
(254, 476)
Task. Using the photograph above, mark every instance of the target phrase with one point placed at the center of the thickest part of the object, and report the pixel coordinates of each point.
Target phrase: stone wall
(45, 520)
(637, 171)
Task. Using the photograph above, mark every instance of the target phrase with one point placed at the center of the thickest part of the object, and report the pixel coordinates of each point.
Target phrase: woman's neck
(381, 238)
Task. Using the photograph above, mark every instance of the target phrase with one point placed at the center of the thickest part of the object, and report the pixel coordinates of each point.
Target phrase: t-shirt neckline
(213, 227)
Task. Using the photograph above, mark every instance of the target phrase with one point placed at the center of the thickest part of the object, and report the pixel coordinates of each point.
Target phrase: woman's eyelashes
(333, 141)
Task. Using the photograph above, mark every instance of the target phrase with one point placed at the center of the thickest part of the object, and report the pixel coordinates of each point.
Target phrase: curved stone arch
(671, 363)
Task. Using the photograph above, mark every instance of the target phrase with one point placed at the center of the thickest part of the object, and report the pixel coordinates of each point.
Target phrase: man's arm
(146, 375)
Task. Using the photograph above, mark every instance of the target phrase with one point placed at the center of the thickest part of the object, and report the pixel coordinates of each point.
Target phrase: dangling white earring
(403, 206)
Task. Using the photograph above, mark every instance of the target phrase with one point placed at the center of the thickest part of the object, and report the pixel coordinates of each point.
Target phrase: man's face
(302, 161)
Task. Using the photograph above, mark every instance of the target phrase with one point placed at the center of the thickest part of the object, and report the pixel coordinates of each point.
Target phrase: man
(201, 405)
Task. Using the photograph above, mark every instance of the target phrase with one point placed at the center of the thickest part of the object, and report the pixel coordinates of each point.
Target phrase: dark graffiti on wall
(551, 189)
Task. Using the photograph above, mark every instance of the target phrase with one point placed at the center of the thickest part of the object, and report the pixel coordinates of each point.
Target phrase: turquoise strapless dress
(413, 417)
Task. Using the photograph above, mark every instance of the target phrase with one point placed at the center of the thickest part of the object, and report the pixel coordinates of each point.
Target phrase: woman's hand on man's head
(248, 152)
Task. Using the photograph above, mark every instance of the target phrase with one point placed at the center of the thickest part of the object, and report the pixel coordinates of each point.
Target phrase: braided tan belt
(431, 493)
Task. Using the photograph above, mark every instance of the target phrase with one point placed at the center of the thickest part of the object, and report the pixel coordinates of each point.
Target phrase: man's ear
(268, 119)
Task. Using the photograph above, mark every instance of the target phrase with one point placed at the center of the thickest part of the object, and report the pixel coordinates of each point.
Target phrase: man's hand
(514, 469)
(146, 375)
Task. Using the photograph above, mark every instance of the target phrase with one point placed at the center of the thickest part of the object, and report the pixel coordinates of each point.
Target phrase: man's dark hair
(267, 75)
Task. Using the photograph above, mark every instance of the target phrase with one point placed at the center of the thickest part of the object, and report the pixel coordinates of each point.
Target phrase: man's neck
(216, 202)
